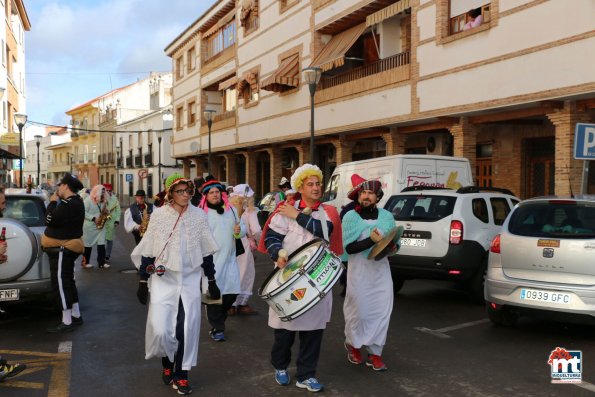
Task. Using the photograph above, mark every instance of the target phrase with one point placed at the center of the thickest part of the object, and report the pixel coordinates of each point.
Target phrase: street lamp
(37, 142)
(20, 120)
(71, 158)
(208, 113)
(168, 117)
(159, 136)
(312, 77)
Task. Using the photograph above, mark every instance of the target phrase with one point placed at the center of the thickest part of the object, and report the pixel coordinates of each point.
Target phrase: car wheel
(397, 283)
(501, 316)
(477, 283)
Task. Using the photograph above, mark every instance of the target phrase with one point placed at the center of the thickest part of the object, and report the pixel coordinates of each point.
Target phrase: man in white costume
(226, 227)
(243, 196)
(175, 253)
(292, 225)
(369, 296)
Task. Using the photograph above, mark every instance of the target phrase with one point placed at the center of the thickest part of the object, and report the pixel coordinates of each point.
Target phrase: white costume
(92, 235)
(226, 265)
(246, 260)
(369, 299)
(182, 258)
(295, 237)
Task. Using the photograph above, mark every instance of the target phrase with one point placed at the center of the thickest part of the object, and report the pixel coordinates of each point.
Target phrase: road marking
(441, 332)
(586, 386)
(58, 365)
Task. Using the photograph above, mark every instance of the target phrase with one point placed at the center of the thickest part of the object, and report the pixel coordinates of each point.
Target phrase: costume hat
(360, 184)
(72, 182)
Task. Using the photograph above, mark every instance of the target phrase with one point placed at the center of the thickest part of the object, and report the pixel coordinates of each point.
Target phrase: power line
(75, 129)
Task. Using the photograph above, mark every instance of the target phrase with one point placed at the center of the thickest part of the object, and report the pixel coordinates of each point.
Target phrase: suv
(447, 233)
(26, 274)
(542, 261)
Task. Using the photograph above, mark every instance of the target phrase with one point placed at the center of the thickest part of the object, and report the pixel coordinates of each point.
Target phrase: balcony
(148, 159)
(390, 70)
(129, 162)
(138, 162)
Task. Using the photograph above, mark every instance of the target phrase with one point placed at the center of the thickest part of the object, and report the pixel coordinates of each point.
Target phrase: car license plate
(545, 296)
(9, 295)
(413, 242)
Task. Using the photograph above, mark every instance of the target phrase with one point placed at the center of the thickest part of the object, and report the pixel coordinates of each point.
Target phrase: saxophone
(104, 216)
(144, 222)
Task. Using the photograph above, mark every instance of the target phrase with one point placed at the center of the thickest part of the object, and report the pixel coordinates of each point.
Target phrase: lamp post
(20, 120)
(168, 118)
(312, 77)
(208, 113)
(37, 143)
(71, 158)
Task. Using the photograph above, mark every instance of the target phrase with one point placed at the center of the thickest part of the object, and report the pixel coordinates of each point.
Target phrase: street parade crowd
(194, 247)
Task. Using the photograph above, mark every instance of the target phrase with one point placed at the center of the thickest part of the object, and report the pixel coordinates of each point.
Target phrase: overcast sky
(77, 50)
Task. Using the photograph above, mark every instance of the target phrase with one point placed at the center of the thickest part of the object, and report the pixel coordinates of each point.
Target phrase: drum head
(298, 259)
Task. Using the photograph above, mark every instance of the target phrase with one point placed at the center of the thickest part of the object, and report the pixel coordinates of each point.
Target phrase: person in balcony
(473, 18)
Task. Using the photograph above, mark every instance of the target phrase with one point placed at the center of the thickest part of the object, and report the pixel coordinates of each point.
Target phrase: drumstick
(307, 211)
(283, 253)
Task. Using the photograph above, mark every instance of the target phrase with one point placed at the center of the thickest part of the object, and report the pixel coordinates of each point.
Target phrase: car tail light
(454, 272)
(456, 232)
(495, 244)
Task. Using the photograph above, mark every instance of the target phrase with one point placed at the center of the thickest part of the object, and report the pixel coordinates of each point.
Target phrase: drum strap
(322, 213)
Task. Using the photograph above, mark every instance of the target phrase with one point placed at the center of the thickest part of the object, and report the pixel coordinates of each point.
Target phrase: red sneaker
(167, 376)
(353, 355)
(376, 363)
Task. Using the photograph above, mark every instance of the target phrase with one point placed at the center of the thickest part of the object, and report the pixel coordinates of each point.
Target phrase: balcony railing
(382, 65)
(224, 116)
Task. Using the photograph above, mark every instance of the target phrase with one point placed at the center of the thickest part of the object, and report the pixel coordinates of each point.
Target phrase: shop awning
(5, 154)
(228, 83)
(285, 77)
(387, 12)
(333, 54)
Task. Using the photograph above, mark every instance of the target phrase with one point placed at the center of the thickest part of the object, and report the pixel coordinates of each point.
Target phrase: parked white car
(543, 262)
(447, 233)
(26, 274)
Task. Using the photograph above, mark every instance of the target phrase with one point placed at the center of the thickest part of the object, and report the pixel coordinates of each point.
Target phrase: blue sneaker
(311, 384)
(282, 377)
(217, 336)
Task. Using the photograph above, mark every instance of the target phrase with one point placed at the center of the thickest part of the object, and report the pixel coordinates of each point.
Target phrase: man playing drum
(369, 298)
(292, 225)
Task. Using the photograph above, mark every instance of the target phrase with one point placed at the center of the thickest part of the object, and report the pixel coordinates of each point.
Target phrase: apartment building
(94, 127)
(406, 76)
(12, 85)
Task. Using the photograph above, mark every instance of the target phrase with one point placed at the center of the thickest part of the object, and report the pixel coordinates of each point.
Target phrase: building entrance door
(540, 179)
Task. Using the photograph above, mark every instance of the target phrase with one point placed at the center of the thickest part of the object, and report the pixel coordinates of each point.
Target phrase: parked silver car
(543, 262)
(26, 274)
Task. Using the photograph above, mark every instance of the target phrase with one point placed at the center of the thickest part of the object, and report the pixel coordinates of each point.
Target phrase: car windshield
(29, 210)
(420, 208)
(555, 219)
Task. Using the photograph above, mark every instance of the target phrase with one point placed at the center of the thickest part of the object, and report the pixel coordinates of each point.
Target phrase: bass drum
(22, 251)
(309, 276)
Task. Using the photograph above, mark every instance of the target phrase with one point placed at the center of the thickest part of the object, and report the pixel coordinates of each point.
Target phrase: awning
(285, 77)
(387, 12)
(220, 24)
(248, 79)
(228, 83)
(5, 154)
(333, 54)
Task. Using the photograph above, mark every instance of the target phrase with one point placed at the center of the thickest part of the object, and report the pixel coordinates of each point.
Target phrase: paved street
(439, 344)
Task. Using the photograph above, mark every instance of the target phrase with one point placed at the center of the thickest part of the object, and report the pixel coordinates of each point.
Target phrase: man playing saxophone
(136, 217)
(96, 215)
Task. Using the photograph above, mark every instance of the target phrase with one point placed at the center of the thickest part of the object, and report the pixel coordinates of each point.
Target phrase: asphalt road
(439, 344)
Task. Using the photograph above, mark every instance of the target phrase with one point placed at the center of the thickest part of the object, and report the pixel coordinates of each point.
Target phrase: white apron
(368, 301)
(295, 237)
(226, 265)
(246, 260)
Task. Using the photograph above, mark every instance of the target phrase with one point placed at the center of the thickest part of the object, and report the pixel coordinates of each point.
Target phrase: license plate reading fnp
(413, 242)
(9, 295)
(545, 296)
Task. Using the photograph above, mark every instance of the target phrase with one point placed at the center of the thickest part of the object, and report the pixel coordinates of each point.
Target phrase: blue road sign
(584, 141)
(129, 177)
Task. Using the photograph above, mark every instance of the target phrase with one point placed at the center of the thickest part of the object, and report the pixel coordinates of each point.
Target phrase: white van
(398, 172)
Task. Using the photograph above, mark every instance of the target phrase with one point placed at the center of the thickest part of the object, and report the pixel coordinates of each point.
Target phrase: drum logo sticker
(298, 294)
(323, 272)
(566, 365)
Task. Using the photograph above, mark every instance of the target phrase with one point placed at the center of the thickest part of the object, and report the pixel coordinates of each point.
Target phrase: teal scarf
(354, 226)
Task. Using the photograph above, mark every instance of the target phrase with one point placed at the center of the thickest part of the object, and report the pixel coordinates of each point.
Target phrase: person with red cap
(113, 206)
(369, 297)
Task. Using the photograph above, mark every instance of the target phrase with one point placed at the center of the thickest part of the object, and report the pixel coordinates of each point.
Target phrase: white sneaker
(87, 266)
(105, 266)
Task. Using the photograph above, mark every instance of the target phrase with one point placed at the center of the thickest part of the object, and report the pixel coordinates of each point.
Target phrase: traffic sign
(584, 141)
(142, 174)
(129, 177)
